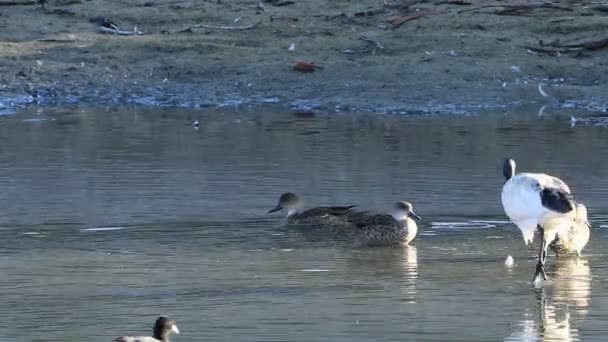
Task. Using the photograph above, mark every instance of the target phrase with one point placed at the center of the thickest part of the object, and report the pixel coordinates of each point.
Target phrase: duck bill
(275, 209)
(413, 214)
(175, 329)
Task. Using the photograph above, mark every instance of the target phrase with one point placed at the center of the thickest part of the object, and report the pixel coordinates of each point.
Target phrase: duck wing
(326, 210)
(366, 220)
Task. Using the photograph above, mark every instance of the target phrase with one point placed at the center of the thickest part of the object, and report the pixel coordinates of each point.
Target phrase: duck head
(404, 210)
(289, 201)
(164, 327)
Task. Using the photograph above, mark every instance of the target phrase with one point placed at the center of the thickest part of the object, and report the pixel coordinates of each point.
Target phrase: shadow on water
(110, 218)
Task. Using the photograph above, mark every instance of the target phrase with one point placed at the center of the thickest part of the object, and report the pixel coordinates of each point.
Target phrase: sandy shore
(456, 58)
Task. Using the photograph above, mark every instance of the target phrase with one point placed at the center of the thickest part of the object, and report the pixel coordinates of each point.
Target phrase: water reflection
(197, 202)
(566, 300)
(410, 274)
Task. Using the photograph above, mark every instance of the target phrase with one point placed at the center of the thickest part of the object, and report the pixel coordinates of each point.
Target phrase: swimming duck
(163, 328)
(575, 238)
(385, 228)
(537, 201)
(322, 216)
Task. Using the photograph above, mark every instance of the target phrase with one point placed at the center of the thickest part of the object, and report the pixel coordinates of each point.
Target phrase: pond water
(109, 218)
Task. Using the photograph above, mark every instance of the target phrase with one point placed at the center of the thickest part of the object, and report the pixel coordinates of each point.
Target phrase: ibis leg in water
(542, 256)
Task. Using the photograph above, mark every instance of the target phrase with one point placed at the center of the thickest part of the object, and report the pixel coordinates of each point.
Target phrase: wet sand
(456, 60)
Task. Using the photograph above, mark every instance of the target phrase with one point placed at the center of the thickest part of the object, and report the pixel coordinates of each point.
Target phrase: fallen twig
(55, 40)
(108, 30)
(19, 3)
(517, 9)
(587, 45)
(556, 47)
(553, 52)
(280, 2)
(399, 20)
(454, 2)
(212, 27)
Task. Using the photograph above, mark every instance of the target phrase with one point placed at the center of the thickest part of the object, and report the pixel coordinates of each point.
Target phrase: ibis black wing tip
(556, 200)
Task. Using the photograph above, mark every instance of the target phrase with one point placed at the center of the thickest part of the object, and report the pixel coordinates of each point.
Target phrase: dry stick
(211, 27)
(551, 51)
(119, 32)
(556, 48)
(517, 8)
(19, 3)
(399, 20)
(588, 45)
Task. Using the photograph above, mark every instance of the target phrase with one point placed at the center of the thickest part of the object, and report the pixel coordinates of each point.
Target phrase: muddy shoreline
(459, 59)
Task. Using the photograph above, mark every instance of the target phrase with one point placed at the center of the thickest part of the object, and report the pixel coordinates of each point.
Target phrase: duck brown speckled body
(318, 216)
(574, 239)
(396, 227)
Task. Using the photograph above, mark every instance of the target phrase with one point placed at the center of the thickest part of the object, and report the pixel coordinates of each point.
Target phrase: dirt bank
(454, 58)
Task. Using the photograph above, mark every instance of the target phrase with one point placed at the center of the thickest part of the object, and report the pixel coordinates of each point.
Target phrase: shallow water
(110, 218)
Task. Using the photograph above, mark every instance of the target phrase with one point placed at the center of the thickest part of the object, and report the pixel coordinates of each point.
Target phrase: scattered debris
(541, 111)
(398, 20)
(588, 45)
(21, 2)
(509, 262)
(284, 18)
(108, 26)
(601, 121)
(305, 66)
(372, 41)
(454, 2)
(292, 47)
(280, 2)
(135, 32)
(556, 48)
(55, 40)
(66, 2)
(517, 9)
(212, 27)
(104, 22)
(541, 91)
(196, 124)
(347, 52)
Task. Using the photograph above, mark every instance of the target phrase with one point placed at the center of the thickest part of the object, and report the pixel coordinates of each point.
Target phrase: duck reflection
(569, 296)
(395, 266)
(410, 273)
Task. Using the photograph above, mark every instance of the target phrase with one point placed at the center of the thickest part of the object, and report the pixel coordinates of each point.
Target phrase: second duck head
(289, 201)
(404, 210)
